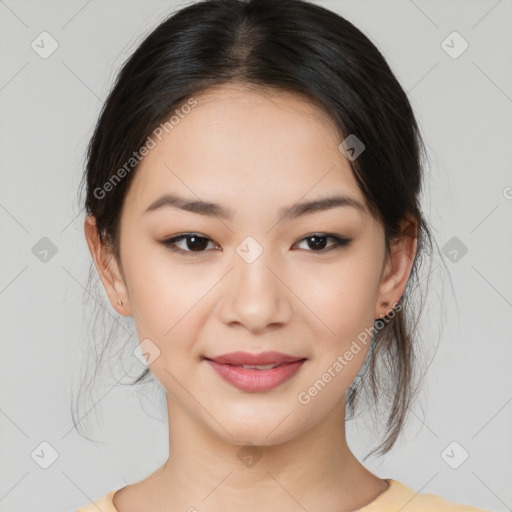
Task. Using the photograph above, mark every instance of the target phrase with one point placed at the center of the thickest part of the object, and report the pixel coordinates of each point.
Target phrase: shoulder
(104, 504)
(399, 497)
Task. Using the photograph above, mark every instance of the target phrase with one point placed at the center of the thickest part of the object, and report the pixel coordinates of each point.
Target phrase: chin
(270, 431)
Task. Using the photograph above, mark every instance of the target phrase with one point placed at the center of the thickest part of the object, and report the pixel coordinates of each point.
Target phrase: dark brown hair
(294, 46)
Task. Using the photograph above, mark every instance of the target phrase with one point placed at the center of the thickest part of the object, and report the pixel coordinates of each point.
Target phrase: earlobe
(108, 269)
(398, 268)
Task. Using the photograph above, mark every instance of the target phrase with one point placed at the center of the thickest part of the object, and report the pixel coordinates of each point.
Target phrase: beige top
(396, 498)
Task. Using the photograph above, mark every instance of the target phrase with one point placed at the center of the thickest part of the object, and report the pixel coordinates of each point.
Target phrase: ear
(107, 268)
(397, 268)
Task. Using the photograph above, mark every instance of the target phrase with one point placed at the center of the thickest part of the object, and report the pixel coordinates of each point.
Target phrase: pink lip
(253, 380)
(261, 358)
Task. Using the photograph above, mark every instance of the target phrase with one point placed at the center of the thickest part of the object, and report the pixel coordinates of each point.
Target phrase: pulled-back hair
(293, 46)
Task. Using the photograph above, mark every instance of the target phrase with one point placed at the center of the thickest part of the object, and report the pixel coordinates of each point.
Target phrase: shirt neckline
(383, 495)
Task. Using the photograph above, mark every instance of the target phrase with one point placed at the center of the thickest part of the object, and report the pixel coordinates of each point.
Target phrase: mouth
(262, 359)
(254, 366)
(256, 372)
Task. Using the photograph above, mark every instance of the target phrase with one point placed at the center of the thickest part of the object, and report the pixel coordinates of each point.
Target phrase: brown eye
(317, 242)
(193, 242)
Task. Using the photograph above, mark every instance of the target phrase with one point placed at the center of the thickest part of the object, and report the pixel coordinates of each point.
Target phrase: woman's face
(254, 279)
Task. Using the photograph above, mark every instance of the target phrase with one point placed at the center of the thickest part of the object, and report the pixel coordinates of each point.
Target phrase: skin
(252, 152)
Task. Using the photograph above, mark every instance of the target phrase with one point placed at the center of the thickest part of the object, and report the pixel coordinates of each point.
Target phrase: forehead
(236, 143)
(279, 104)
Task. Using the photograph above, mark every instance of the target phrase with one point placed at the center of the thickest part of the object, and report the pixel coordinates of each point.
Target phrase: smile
(255, 378)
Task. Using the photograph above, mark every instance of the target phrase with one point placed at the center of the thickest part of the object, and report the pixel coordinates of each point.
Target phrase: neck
(315, 469)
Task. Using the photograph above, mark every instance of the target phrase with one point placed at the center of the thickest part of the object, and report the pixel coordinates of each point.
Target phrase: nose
(256, 296)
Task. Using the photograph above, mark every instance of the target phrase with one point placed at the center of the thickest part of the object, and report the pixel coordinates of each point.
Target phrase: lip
(253, 380)
(249, 358)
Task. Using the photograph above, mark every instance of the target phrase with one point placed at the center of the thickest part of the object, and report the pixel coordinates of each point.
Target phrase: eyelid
(339, 242)
(169, 243)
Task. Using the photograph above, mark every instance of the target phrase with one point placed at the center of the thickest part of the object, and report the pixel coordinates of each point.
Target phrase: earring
(120, 302)
(384, 304)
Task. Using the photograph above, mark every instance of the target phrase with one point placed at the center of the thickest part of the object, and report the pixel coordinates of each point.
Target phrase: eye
(318, 241)
(196, 243)
(193, 242)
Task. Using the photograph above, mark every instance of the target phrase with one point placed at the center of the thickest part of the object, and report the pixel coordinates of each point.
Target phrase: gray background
(47, 111)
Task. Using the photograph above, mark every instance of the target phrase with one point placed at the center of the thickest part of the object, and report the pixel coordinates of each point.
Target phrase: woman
(253, 203)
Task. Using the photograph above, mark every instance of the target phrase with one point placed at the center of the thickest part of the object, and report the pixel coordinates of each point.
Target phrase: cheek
(157, 294)
(341, 295)
(341, 306)
(169, 304)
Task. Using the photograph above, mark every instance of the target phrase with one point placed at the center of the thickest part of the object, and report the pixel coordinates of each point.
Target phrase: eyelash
(339, 242)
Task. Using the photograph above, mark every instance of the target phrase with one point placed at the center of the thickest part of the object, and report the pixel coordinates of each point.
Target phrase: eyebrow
(216, 210)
